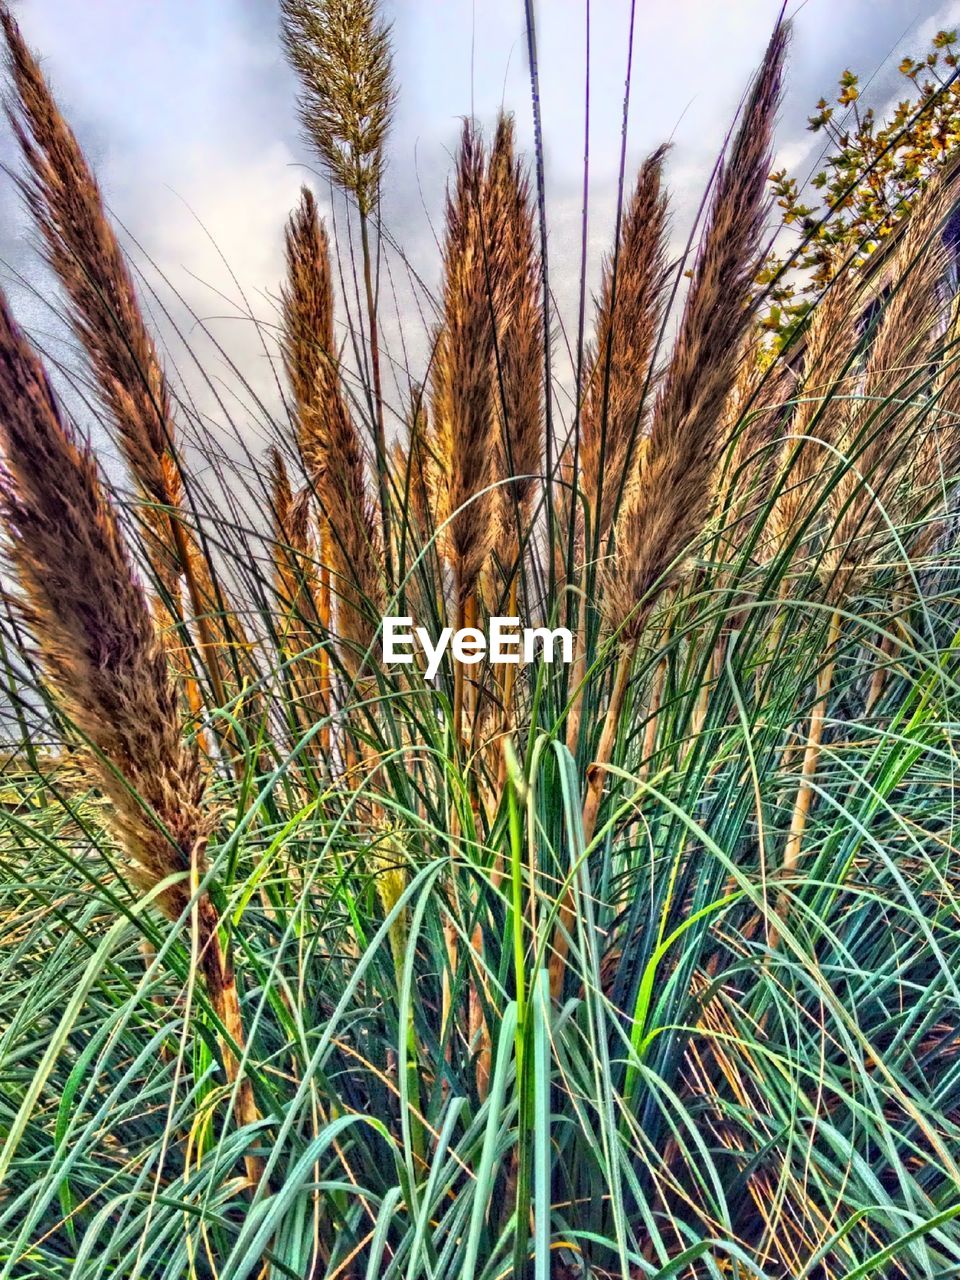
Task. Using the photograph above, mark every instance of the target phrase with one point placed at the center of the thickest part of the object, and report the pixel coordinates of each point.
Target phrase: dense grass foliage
(642, 966)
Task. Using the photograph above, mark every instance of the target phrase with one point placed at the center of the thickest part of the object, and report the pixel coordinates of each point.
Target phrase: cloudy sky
(186, 110)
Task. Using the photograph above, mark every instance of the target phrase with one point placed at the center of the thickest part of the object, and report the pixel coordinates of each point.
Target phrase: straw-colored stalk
(82, 248)
(750, 424)
(811, 759)
(341, 51)
(669, 499)
(297, 586)
(101, 652)
(324, 623)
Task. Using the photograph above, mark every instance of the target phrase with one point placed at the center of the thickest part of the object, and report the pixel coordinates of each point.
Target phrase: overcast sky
(187, 112)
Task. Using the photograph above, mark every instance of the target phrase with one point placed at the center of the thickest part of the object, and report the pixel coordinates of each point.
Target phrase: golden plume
(102, 654)
(81, 246)
(329, 442)
(629, 317)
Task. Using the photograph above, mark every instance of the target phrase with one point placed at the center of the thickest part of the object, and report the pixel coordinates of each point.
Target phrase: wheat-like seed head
(309, 355)
(752, 420)
(936, 466)
(329, 441)
(629, 315)
(92, 622)
(81, 246)
(464, 400)
(514, 263)
(341, 51)
(671, 501)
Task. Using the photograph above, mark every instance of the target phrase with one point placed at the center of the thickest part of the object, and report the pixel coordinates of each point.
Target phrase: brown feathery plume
(341, 51)
(421, 510)
(751, 418)
(399, 455)
(629, 314)
(808, 453)
(739, 429)
(514, 264)
(753, 413)
(465, 370)
(468, 362)
(932, 478)
(310, 362)
(516, 280)
(669, 504)
(937, 463)
(297, 586)
(409, 480)
(81, 246)
(329, 443)
(102, 653)
(464, 422)
(309, 355)
(353, 549)
(65, 201)
(751, 425)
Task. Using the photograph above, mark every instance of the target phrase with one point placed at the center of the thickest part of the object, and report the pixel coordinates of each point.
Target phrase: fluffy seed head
(81, 246)
(92, 622)
(831, 339)
(670, 503)
(516, 295)
(328, 437)
(465, 368)
(340, 49)
(629, 316)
